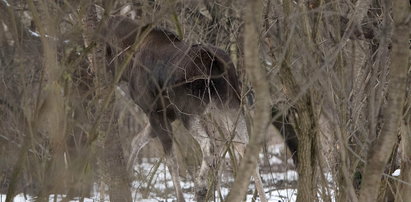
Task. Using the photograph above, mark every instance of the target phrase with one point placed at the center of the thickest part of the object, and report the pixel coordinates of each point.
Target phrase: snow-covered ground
(22, 198)
(283, 195)
(278, 178)
(279, 185)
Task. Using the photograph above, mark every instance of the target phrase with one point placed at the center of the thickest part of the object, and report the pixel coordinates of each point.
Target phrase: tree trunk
(257, 76)
(112, 156)
(392, 113)
(49, 112)
(404, 190)
(305, 117)
(306, 126)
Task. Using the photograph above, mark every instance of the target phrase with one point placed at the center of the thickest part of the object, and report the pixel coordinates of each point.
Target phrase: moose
(170, 79)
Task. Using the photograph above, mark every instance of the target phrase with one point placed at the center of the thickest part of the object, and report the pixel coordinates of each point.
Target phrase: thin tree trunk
(306, 120)
(49, 112)
(112, 156)
(257, 76)
(392, 113)
(306, 126)
(404, 191)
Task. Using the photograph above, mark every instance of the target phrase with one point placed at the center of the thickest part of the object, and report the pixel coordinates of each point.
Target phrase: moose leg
(138, 143)
(172, 165)
(175, 175)
(283, 124)
(162, 129)
(199, 133)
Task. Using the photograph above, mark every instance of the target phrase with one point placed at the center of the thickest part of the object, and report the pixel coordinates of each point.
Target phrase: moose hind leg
(163, 131)
(138, 143)
(172, 165)
(200, 134)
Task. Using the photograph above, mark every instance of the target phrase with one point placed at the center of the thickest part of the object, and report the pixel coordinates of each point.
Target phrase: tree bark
(304, 115)
(306, 126)
(392, 113)
(257, 76)
(404, 190)
(112, 156)
(49, 111)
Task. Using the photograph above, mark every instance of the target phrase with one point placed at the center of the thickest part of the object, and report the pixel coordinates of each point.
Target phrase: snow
(283, 195)
(275, 160)
(277, 149)
(22, 198)
(35, 34)
(289, 175)
(396, 173)
(18, 198)
(162, 189)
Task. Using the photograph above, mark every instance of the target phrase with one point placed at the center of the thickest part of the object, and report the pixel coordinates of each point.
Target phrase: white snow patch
(283, 195)
(396, 173)
(275, 160)
(35, 34)
(22, 198)
(289, 175)
(277, 149)
(329, 177)
(18, 198)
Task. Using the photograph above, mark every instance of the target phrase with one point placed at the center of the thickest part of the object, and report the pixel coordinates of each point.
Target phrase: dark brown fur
(172, 71)
(171, 79)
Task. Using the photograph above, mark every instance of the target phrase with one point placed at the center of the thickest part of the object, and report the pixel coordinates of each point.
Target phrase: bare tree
(252, 21)
(332, 76)
(113, 163)
(392, 113)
